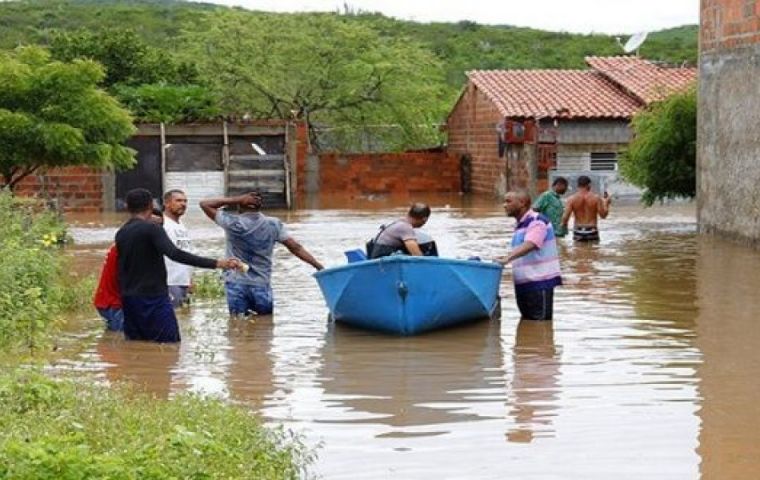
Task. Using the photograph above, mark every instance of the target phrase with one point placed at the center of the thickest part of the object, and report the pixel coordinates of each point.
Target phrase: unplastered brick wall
(472, 131)
(379, 173)
(76, 189)
(729, 24)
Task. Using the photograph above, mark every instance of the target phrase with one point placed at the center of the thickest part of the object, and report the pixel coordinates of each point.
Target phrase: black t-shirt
(141, 246)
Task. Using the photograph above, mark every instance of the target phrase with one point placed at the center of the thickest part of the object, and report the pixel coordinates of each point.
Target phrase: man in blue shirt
(251, 236)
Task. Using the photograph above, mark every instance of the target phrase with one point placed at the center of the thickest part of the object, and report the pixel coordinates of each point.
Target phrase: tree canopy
(661, 159)
(53, 114)
(325, 69)
(354, 72)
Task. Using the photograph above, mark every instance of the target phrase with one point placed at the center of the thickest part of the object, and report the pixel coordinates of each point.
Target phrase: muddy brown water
(648, 371)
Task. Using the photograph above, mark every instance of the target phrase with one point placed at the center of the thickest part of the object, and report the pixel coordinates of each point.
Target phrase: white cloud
(584, 16)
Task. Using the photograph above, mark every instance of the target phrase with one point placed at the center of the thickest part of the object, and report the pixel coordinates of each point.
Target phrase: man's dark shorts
(150, 318)
(536, 304)
(586, 234)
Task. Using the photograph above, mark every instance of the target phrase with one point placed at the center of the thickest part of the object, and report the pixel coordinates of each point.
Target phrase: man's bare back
(586, 207)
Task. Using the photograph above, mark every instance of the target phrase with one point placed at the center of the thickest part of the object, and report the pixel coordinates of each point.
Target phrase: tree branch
(24, 173)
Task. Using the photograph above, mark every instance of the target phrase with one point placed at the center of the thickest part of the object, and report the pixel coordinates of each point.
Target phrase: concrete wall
(593, 132)
(728, 151)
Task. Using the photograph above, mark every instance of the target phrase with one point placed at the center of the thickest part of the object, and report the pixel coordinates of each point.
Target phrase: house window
(603, 161)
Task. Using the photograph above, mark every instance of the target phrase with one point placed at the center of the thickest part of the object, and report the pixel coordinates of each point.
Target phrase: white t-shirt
(177, 274)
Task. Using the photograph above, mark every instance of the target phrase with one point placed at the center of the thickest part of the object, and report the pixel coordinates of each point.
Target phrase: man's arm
(165, 247)
(212, 205)
(567, 212)
(413, 248)
(604, 205)
(299, 251)
(518, 252)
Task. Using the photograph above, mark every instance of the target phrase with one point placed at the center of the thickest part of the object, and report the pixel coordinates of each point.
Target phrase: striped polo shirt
(539, 269)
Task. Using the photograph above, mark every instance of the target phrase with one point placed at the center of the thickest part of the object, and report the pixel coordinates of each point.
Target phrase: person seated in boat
(399, 235)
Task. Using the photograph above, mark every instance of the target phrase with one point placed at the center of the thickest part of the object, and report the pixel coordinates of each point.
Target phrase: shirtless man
(586, 207)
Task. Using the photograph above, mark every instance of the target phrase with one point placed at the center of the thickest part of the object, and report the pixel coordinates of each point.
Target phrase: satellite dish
(635, 42)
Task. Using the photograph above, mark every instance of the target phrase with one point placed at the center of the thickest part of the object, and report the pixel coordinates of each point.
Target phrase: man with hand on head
(251, 237)
(534, 258)
(141, 246)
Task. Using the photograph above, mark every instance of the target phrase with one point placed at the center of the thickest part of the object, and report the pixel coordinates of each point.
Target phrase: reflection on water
(649, 369)
(535, 365)
(434, 379)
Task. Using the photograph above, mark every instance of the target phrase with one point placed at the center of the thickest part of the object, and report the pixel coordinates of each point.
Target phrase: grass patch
(208, 286)
(72, 430)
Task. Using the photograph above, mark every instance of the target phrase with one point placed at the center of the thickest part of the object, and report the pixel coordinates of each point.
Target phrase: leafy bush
(208, 285)
(661, 159)
(35, 286)
(71, 430)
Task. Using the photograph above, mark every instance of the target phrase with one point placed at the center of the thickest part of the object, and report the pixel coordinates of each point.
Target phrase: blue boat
(407, 295)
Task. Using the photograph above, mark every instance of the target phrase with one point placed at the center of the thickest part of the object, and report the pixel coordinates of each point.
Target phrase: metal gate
(146, 173)
(259, 163)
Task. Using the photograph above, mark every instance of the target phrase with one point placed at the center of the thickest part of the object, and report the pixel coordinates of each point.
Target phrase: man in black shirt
(142, 245)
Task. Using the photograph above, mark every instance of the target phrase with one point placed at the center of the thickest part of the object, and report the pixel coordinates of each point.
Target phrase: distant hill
(461, 46)
(162, 61)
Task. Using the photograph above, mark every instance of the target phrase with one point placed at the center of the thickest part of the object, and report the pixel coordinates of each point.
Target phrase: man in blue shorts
(251, 236)
(142, 245)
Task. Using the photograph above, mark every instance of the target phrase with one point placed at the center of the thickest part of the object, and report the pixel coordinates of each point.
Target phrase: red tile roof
(554, 93)
(645, 80)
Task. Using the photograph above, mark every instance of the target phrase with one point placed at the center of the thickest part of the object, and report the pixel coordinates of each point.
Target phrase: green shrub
(71, 430)
(662, 157)
(208, 285)
(35, 286)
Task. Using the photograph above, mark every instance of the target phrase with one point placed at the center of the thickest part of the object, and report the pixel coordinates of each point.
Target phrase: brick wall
(472, 130)
(729, 24)
(77, 189)
(382, 173)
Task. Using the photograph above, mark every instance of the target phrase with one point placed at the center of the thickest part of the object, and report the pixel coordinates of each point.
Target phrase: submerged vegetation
(54, 428)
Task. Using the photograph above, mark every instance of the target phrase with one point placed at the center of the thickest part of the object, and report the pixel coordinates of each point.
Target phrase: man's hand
(249, 200)
(228, 263)
(503, 260)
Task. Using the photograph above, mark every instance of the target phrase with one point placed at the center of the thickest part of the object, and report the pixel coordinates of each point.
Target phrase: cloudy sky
(584, 16)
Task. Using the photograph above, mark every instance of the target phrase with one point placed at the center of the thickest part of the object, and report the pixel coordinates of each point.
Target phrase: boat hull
(408, 295)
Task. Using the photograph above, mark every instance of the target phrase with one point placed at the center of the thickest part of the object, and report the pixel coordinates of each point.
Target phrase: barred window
(603, 161)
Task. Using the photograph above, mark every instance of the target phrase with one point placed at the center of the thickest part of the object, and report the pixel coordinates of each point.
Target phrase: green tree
(52, 114)
(325, 68)
(127, 58)
(661, 159)
(169, 103)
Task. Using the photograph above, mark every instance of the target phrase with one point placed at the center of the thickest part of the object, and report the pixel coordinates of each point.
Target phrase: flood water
(649, 370)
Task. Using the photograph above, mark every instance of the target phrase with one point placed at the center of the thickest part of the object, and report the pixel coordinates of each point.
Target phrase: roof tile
(554, 93)
(645, 80)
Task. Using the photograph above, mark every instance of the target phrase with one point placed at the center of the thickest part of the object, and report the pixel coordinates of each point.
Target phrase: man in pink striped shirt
(534, 258)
